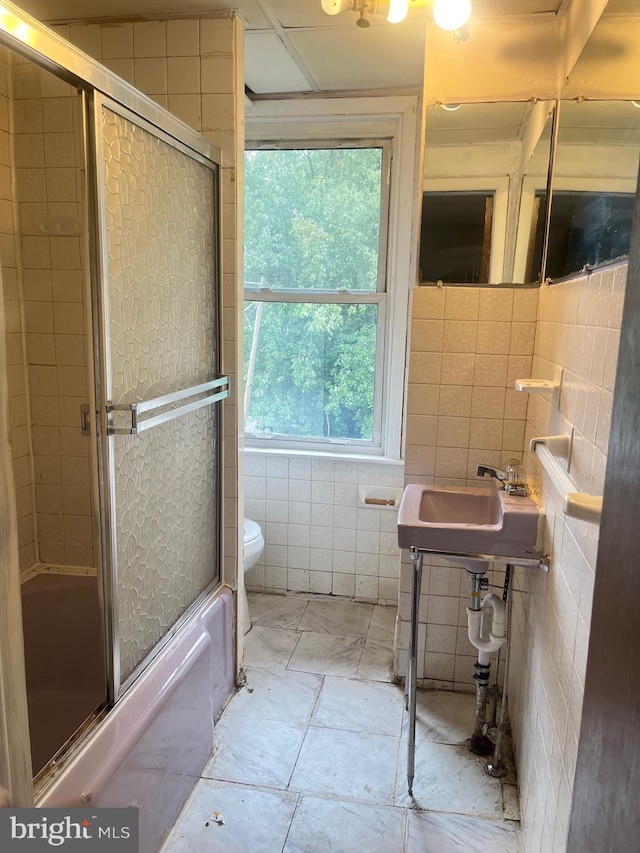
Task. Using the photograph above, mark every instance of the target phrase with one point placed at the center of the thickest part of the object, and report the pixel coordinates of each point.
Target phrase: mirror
(598, 151)
(484, 192)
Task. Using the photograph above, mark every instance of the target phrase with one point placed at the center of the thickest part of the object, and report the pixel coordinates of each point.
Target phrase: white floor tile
(255, 821)
(347, 764)
(311, 754)
(276, 611)
(443, 716)
(376, 663)
(449, 779)
(383, 624)
(510, 801)
(263, 754)
(359, 706)
(345, 618)
(276, 694)
(269, 646)
(327, 654)
(443, 833)
(327, 826)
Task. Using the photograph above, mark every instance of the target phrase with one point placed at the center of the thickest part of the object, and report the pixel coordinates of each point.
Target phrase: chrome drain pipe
(495, 767)
(479, 743)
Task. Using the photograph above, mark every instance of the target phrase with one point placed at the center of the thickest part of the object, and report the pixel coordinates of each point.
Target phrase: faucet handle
(515, 473)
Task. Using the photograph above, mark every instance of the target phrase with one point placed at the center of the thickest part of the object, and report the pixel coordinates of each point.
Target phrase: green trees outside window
(314, 291)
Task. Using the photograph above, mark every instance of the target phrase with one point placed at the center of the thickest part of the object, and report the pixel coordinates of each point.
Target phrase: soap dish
(537, 386)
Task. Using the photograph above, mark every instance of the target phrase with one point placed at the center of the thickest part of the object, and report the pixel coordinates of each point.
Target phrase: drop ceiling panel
(616, 122)
(374, 58)
(56, 10)
(478, 115)
(269, 68)
(499, 8)
(476, 123)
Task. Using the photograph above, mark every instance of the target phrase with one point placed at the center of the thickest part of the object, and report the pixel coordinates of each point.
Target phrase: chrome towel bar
(219, 386)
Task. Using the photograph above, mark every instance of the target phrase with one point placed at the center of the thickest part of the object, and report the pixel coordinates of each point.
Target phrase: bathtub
(150, 749)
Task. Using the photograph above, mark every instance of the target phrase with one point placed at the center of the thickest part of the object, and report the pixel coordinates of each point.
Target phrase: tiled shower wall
(48, 158)
(16, 356)
(193, 67)
(578, 330)
(468, 346)
(318, 538)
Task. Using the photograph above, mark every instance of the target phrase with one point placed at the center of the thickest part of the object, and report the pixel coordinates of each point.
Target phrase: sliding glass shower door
(159, 385)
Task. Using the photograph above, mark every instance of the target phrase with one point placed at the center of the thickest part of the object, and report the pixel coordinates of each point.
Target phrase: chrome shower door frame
(182, 138)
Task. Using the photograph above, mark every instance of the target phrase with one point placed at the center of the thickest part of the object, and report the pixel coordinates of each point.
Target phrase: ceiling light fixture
(334, 7)
(451, 14)
(396, 10)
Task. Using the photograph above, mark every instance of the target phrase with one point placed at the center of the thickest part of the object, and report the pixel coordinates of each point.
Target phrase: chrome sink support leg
(410, 684)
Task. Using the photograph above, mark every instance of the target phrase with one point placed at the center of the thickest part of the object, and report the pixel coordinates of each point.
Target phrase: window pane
(455, 240)
(310, 369)
(312, 218)
(587, 228)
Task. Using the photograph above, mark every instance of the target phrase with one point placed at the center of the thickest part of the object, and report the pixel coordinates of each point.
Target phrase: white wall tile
(343, 584)
(183, 38)
(149, 39)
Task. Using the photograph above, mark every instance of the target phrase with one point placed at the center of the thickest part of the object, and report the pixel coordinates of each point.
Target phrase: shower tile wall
(578, 329)
(193, 68)
(48, 159)
(16, 360)
(468, 345)
(317, 538)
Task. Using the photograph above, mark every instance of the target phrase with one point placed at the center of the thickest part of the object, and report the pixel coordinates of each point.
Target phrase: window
(587, 228)
(315, 294)
(455, 241)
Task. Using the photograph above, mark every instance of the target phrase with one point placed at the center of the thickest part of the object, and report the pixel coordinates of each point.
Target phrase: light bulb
(397, 11)
(334, 7)
(451, 14)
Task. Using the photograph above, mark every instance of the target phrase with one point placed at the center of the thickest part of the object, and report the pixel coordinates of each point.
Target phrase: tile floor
(310, 755)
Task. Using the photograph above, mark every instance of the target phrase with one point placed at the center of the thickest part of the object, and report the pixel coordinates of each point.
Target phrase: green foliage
(312, 222)
(312, 218)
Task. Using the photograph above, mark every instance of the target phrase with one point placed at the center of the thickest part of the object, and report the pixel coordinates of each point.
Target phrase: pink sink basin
(470, 520)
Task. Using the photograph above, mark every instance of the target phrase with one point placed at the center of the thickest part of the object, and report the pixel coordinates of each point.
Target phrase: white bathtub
(151, 747)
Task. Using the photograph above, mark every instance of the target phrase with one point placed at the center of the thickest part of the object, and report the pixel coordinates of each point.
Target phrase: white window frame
(348, 121)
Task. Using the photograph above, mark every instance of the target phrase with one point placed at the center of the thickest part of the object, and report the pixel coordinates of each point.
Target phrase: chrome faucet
(496, 473)
(513, 479)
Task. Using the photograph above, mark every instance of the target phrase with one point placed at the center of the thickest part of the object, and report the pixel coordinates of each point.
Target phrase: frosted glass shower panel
(161, 222)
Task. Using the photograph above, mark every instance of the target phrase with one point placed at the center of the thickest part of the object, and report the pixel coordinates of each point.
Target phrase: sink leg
(410, 684)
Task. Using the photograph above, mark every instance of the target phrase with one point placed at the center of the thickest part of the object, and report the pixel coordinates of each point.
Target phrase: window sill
(323, 454)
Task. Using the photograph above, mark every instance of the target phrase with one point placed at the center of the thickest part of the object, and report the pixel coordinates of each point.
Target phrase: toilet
(253, 548)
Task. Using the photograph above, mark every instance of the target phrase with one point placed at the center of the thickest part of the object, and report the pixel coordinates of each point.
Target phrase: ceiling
(293, 46)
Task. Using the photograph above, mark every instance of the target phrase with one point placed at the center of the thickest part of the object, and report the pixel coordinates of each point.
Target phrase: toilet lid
(251, 530)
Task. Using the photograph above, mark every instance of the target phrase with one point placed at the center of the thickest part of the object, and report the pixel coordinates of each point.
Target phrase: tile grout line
(293, 817)
(302, 742)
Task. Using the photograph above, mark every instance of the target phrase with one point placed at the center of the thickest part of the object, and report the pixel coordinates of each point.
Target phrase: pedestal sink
(471, 526)
(469, 521)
